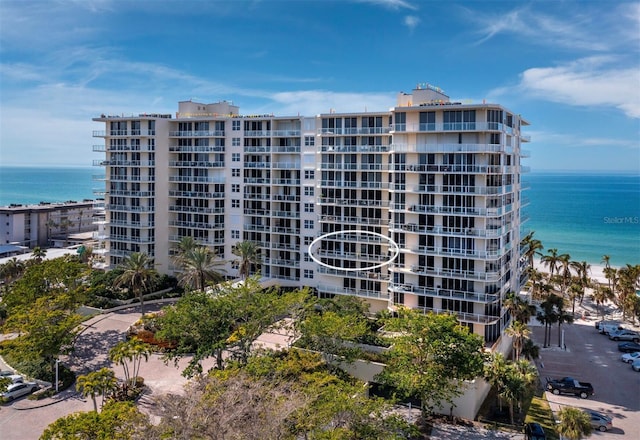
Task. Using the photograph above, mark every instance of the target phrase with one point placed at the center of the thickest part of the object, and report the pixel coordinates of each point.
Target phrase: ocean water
(585, 215)
(32, 185)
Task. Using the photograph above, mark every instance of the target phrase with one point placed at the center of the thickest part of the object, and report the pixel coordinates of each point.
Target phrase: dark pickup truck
(569, 385)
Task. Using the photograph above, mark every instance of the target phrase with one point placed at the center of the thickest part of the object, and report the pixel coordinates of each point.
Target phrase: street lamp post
(57, 362)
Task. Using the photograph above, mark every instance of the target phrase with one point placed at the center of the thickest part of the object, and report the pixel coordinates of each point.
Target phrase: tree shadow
(91, 351)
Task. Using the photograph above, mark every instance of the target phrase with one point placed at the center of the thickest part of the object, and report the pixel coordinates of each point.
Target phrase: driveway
(592, 357)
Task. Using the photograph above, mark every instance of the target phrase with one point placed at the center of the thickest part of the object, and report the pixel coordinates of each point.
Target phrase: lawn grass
(540, 412)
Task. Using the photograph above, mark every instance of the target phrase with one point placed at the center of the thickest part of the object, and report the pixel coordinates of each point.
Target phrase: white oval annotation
(394, 246)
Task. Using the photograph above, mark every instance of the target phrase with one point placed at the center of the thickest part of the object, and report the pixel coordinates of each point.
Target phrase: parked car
(628, 347)
(600, 421)
(603, 322)
(624, 335)
(569, 385)
(533, 431)
(606, 329)
(630, 357)
(4, 373)
(636, 365)
(15, 378)
(20, 389)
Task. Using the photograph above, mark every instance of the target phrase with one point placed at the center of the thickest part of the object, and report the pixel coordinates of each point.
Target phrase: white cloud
(587, 82)
(312, 102)
(570, 140)
(411, 22)
(582, 31)
(391, 4)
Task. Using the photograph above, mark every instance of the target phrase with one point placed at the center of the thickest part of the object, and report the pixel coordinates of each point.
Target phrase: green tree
(551, 261)
(601, 294)
(137, 274)
(38, 254)
(575, 424)
(519, 331)
(530, 350)
(532, 248)
(333, 334)
(101, 382)
(198, 325)
(519, 309)
(257, 309)
(564, 272)
(131, 351)
(229, 319)
(199, 265)
(249, 254)
(11, 270)
(431, 357)
(494, 372)
(513, 381)
(117, 421)
(292, 395)
(628, 284)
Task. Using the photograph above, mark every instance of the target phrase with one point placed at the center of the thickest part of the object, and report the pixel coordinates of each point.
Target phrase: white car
(630, 357)
(20, 389)
(606, 329)
(636, 365)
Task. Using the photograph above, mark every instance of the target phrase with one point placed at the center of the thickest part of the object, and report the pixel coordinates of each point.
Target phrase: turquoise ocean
(583, 214)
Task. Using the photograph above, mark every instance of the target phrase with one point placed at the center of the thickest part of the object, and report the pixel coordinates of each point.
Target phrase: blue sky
(572, 68)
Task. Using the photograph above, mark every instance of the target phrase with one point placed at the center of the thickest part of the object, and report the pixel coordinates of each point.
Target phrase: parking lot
(592, 357)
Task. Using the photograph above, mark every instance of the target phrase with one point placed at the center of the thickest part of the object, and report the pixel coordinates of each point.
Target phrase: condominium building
(439, 179)
(45, 224)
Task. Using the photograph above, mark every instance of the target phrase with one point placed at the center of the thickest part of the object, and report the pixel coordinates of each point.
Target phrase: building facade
(45, 223)
(439, 179)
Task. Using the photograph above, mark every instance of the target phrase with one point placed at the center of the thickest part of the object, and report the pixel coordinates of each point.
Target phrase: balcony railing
(444, 293)
(197, 133)
(354, 131)
(353, 220)
(197, 164)
(197, 209)
(196, 194)
(335, 290)
(197, 149)
(353, 148)
(450, 231)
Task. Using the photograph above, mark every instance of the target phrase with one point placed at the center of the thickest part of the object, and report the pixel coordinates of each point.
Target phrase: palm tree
(132, 351)
(551, 261)
(138, 275)
(539, 287)
(575, 291)
(574, 424)
(548, 316)
(102, 381)
(564, 271)
(494, 373)
(601, 294)
(530, 350)
(199, 265)
(628, 283)
(562, 317)
(607, 267)
(519, 309)
(12, 269)
(249, 253)
(519, 331)
(532, 247)
(38, 254)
